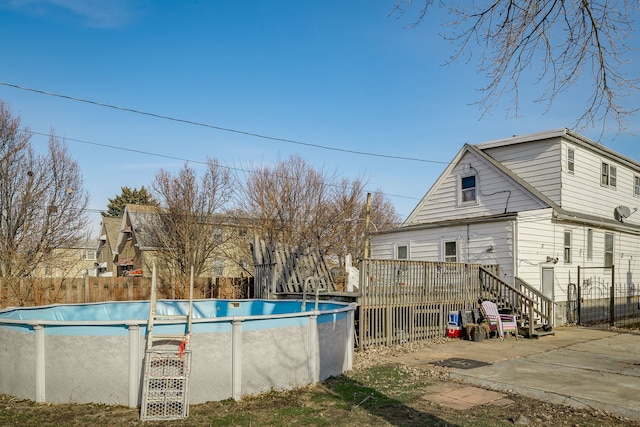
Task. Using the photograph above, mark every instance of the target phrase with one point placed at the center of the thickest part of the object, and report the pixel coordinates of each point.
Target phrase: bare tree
(296, 205)
(42, 200)
(561, 41)
(352, 231)
(284, 207)
(190, 223)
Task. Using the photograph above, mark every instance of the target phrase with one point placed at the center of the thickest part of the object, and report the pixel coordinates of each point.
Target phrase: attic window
(468, 188)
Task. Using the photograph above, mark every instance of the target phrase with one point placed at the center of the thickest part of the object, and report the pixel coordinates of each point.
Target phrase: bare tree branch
(561, 41)
(189, 227)
(296, 205)
(42, 200)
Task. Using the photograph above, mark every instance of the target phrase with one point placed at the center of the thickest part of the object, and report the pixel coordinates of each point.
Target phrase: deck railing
(402, 301)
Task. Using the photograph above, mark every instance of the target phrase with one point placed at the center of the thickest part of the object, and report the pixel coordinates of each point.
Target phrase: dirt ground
(374, 393)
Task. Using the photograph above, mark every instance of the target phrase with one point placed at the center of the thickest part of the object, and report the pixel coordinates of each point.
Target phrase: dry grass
(372, 394)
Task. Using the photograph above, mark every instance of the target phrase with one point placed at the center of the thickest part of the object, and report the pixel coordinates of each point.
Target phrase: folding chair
(499, 322)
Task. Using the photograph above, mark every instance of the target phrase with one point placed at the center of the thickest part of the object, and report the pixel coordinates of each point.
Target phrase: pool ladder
(167, 363)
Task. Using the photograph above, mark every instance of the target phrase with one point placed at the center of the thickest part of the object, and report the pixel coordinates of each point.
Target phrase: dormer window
(468, 189)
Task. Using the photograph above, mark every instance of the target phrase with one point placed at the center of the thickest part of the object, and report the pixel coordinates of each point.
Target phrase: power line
(164, 156)
(220, 128)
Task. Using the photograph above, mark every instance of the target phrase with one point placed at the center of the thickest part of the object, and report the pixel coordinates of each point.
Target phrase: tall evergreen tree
(115, 208)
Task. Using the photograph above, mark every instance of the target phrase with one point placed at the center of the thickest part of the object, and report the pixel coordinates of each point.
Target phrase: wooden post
(366, 226)
(86, 288)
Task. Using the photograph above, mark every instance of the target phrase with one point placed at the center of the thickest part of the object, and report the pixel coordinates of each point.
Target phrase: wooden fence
(23, 292)
(281, 270)
(401, 301)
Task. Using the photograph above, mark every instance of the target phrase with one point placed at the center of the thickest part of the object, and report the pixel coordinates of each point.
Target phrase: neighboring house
(109, 234)
(535, 207)
(135, 253)
(76, 260)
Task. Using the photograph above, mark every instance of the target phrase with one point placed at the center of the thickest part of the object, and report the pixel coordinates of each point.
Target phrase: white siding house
(535, 206)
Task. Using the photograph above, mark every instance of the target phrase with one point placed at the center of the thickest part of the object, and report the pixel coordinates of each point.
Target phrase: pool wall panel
(100, 375)
(287, 347)
(211, 361)
(17, 363)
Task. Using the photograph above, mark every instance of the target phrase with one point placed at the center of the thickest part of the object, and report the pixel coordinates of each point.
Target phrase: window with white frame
(402, 252)
(89, 255)
(571, 160)
(608, 249)
(636, 185)
(567, 247)
(218, 267)
(589, 244)
(468, 189)
(450, 251)
(608, 176)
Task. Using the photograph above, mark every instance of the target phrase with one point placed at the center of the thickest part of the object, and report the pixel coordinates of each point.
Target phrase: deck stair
(167, 364)
(533, 310)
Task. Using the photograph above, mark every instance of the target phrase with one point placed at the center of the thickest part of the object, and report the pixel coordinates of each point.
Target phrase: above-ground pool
(94, 352)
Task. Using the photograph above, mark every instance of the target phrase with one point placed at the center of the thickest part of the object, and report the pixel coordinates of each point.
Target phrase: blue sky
(332, 73)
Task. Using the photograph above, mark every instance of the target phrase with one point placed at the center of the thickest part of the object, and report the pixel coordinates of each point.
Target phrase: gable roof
(110, 230)
(138, 220)
(482, 157)
(480, 152)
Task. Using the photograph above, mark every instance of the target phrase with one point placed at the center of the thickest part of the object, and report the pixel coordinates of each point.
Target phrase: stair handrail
(546, 303)
(528, 305)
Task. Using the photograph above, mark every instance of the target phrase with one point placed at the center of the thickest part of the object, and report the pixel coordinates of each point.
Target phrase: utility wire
(149, 153)
(210, 126)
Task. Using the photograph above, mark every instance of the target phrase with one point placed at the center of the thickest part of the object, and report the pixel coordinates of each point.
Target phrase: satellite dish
(622, 212)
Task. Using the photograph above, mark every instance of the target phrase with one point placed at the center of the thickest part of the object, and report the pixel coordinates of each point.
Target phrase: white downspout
(514, 230)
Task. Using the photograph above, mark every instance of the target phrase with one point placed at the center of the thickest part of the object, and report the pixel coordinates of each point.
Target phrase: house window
(589, 244)
(217, 236)
(89, 255)
(451, 251)
(402, 252)
(468, 188)
(218, 267)
(636, 185)
(570, 160)
(567, 247)
(608, 249)
(609, 175)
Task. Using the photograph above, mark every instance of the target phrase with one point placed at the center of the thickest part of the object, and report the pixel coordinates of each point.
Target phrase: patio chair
(499, 322)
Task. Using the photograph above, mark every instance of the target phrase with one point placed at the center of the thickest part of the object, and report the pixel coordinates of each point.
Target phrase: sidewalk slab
(579, 367)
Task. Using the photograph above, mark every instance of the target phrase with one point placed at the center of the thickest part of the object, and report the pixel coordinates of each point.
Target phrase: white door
(547, 282)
